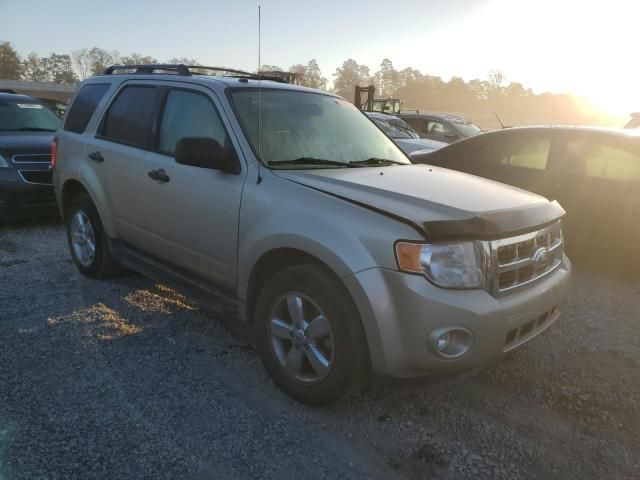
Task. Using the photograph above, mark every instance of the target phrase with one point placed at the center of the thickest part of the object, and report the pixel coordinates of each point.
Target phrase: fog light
(450, 342)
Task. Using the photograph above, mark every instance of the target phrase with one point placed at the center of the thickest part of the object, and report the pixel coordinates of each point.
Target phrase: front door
(193, 215)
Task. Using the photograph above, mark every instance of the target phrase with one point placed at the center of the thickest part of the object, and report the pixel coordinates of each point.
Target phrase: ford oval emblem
(541, 258)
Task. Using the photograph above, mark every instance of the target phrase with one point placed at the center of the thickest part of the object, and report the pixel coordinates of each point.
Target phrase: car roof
(17, 96)
(568, 128)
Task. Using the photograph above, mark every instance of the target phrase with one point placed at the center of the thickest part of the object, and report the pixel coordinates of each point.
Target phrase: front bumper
(400, 311)
(19, 198)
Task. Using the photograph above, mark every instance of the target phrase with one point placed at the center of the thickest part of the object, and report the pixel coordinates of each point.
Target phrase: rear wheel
(310, 335)
(87, 240)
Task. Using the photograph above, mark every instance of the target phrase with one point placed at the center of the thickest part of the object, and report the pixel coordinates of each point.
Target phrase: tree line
(415, 89)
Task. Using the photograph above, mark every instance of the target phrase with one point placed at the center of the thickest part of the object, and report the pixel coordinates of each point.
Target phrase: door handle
(96, 156)
(159, 175)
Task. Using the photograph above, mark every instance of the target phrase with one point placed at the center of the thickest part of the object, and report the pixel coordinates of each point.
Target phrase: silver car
(343, 257)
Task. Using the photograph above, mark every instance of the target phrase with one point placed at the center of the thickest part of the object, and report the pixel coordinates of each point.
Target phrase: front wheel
(310, 336)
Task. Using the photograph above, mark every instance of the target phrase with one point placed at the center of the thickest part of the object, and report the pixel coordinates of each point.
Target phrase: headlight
(448, 265)
(3, 162)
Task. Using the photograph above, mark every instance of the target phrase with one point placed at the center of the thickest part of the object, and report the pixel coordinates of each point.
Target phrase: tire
(99, 264)
(325, 367)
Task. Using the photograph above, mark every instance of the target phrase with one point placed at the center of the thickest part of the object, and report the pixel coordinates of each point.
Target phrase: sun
(616, 102)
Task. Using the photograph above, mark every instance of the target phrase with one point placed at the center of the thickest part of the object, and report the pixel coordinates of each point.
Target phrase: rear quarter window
(84, 106)
(597, 159)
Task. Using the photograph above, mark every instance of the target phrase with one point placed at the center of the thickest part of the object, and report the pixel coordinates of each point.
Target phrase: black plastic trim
(495, 225)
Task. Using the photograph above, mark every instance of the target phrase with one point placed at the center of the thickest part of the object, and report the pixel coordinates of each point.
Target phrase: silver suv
(344, 258)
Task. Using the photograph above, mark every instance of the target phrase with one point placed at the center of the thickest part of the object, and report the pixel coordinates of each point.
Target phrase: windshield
(312, 130)
(467, 129)
(396, 128)
(26, 115)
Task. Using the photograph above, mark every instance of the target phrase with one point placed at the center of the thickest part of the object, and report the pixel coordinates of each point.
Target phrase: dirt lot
(128, 379)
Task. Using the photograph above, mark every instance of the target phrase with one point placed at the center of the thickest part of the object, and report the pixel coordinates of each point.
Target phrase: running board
(217, 300)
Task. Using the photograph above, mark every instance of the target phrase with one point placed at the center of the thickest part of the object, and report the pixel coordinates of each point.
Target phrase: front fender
(341, 255)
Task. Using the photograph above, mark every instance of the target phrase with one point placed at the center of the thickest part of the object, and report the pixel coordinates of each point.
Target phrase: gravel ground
(128, 379)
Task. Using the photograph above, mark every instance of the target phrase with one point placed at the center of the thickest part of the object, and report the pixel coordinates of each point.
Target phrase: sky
(562, 46)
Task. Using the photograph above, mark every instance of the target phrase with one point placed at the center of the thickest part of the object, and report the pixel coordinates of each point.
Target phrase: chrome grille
(37, 177)
(32, 158)
(520, 261)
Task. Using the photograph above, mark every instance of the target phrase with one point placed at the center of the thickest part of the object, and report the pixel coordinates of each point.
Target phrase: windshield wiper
(376, 161)
(309, 161)
(32, 129)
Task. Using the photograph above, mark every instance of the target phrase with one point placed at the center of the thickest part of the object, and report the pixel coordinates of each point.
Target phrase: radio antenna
(259, 94)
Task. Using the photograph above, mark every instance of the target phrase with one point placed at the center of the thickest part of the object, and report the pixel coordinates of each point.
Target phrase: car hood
(12, 143)
(409, 145)
(441, 204)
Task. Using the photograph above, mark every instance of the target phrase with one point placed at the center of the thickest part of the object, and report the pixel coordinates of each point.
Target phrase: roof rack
(179, 69)
(188, 70)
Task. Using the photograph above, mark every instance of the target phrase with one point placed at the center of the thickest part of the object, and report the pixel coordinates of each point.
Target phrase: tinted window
(436, 128)
(84, 105)
(418, 124)
(601, 160)
(467, 129)
(530, 153)
(189, 114)
(130, 116)
(395, 128)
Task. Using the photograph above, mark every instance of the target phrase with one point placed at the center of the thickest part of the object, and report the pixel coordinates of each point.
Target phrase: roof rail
(179, 69)
(188, 70)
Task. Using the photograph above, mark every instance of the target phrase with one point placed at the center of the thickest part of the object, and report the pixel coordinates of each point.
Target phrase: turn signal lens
(409, 256)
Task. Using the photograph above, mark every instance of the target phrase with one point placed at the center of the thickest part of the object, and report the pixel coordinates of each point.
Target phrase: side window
(532, 153)
(189, 114)
(84, 105)
(602, 160)
(130, 117)
(436, 128)
(418, 124)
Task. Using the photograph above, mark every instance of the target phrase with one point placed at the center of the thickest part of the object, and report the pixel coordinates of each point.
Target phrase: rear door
(193, 217)
(122, 142)
(599, 186)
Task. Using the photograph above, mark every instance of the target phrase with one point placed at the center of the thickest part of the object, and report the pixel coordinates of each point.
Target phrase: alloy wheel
(301, 338)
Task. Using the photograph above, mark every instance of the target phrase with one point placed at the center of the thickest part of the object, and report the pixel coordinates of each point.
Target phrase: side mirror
(206, 152)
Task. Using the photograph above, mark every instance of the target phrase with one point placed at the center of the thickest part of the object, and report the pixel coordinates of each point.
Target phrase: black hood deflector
(494, 225)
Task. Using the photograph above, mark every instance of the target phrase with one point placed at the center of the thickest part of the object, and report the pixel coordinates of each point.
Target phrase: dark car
(593, 172)
(26, 133)
(444, 128)
(57, 106)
